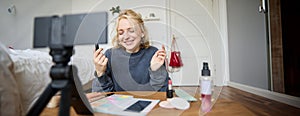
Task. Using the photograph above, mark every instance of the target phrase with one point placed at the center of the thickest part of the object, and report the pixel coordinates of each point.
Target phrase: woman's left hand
(158, 59)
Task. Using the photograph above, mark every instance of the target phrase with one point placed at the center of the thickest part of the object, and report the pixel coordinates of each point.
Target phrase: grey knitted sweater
(131, 72)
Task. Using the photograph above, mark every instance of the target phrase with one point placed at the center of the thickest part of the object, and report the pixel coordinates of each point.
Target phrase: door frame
(275, 28)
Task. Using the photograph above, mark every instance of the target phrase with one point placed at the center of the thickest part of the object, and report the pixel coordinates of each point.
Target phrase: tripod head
(61, 56)
(61, 52)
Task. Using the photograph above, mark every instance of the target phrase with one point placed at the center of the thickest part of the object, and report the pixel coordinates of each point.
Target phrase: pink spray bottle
(206, 90)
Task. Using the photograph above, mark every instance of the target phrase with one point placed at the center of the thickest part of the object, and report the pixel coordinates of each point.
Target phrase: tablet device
(138, 106)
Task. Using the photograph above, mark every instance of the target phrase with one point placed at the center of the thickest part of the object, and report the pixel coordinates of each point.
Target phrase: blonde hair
(131, 15)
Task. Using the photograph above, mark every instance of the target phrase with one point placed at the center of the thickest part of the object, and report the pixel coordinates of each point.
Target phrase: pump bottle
(206, 90)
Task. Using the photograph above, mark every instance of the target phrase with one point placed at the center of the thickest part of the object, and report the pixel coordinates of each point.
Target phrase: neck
(133, 50)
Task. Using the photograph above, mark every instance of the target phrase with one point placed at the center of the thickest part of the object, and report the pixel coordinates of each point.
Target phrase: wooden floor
(257, 104)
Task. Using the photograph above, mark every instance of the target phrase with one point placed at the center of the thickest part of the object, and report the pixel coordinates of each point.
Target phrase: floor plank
(257, 104)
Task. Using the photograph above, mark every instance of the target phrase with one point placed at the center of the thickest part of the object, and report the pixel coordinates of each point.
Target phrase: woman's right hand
(100, 62)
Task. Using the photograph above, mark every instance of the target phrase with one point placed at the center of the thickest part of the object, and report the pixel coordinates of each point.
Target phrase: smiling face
(129, 35)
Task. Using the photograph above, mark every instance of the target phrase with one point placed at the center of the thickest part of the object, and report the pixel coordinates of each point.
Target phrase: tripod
(64, 78)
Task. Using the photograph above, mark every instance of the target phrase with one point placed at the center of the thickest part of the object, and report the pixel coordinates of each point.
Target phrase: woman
(132, 64)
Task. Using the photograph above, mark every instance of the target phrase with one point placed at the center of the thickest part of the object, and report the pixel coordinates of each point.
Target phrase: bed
(25, 75)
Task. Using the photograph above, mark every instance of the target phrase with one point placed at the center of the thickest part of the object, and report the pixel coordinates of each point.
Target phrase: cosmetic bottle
(206, 90)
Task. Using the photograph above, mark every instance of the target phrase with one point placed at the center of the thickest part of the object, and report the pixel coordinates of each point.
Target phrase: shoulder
(108, 52)
(152, 48)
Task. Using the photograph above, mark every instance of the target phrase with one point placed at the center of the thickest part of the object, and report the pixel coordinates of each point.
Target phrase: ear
(142, 32)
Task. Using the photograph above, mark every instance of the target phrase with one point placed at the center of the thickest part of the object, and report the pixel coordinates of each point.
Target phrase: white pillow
(85, 68)
(10, 99)
(31, 69)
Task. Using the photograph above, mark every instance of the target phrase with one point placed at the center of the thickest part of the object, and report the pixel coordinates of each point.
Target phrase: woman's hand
(158, 59)
(100, 62)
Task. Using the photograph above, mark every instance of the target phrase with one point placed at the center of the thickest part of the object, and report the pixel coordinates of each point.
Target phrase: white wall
(247, 44)
(194, 22)
(17, 30)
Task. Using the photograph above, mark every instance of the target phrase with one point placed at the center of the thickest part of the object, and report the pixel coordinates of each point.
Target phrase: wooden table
(220, 107)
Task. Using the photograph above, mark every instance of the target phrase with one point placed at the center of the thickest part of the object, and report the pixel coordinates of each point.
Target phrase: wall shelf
(151, 19)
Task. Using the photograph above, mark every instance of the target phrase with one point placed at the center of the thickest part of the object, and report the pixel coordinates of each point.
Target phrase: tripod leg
(43, 100)
(65, 101)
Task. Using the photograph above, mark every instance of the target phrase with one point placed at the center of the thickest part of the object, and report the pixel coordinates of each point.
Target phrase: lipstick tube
(169, 90)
